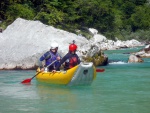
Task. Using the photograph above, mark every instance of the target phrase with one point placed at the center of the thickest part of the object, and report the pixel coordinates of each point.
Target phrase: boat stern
(84, 74)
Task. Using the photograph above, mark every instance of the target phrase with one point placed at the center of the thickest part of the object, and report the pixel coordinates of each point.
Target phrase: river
(122, 88)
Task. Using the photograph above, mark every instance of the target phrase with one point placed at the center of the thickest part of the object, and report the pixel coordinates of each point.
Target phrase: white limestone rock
(134, 59)
(24, 41)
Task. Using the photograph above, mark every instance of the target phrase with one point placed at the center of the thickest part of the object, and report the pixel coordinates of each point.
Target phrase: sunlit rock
(145, 52)
(98, 59)
(93, 31)
(134, 59)
(24, 41)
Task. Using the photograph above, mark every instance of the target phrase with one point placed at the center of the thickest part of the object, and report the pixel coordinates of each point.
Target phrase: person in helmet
(71, 59)
(50, 57)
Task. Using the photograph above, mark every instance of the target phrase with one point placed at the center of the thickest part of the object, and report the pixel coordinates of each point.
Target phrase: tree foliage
(109, 17)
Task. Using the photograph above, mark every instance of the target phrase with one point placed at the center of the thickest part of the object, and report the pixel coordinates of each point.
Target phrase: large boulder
(134, 59)
(24, 41)
(99, 59)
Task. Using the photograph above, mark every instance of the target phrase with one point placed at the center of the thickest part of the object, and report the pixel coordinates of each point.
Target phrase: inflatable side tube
(84, 74)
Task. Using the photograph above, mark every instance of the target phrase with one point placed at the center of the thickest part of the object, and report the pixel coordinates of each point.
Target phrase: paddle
(100, 70)
(28, 80)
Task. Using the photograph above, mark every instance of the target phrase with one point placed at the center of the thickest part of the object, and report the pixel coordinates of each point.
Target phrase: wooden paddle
(28, 80)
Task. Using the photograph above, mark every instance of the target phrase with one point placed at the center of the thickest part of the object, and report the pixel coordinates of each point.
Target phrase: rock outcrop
(134, 59)
(24, 41)
(145, 52)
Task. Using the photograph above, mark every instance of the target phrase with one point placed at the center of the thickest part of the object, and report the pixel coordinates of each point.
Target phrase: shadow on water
(53, 89)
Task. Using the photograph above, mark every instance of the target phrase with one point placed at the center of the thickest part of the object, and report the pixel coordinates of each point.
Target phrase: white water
(119, 62)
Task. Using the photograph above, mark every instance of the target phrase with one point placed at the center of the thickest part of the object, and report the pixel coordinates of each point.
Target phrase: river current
(122, 88)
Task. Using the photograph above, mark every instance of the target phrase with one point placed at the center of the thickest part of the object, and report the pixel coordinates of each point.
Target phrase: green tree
(141, 18)
(50, 15)
(97, 14)
(18, 10)
(110, 17)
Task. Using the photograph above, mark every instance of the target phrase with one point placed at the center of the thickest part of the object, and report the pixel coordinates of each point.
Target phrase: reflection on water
(63, 97)
(57, 94)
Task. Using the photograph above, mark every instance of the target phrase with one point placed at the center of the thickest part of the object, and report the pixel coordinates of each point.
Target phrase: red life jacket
(73, 61)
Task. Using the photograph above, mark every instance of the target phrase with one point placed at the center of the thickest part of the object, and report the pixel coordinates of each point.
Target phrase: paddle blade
(100, 70)
(26, 81)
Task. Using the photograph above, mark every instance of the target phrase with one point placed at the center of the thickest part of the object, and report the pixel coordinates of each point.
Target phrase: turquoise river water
(122, 88)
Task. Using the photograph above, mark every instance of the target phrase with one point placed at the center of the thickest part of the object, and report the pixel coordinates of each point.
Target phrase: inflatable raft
(82, 74)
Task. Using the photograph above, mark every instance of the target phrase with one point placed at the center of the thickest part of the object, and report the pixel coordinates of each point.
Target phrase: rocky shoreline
(138, 56)
(24, 41)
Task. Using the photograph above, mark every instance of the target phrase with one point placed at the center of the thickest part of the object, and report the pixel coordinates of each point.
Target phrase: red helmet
(72, 47)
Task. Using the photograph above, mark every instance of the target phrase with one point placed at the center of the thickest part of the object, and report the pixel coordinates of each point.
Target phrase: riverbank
(24, 41)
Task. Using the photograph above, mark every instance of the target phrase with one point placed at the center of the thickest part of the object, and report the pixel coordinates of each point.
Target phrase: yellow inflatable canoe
(82, 74)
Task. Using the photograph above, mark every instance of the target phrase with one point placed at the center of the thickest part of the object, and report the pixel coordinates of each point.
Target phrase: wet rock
(134, 59)
(99, 59)
(145, 52)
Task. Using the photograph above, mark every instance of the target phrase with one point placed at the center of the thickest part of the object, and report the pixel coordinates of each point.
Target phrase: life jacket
(73, 61)
(50, 58)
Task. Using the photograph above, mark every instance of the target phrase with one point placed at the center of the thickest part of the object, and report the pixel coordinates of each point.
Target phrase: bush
(19, 10)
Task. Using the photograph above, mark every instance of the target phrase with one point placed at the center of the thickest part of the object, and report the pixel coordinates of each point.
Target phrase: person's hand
(53, 71)
(58, 58)
(42, 69)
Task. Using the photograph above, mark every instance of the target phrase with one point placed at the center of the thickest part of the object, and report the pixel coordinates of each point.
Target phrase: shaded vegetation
(124, 19)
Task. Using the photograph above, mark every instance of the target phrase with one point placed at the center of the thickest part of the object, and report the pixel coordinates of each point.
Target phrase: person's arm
(78, 59)
(45, 56)
(42, 58)
(61, 62)
(58, 57)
